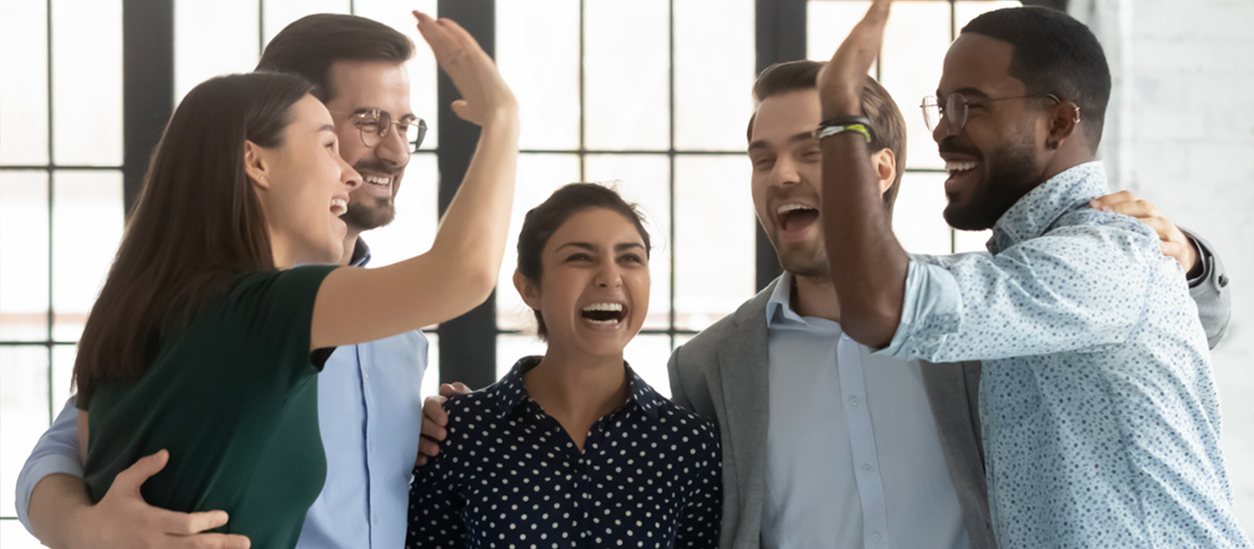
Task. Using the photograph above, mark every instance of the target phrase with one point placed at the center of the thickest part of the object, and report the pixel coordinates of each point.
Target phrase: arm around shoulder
(1210, 291)
(56, 453)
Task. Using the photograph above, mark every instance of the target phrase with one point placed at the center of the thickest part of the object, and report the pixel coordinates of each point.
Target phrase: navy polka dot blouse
(508, 476)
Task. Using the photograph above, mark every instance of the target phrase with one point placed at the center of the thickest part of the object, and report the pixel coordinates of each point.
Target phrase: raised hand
(840, 82)
(486, 99)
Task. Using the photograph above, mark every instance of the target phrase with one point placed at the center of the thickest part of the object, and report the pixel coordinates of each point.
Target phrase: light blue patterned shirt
(1099, 409)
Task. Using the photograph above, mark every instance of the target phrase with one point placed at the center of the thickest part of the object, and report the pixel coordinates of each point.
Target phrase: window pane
(212, 38)
(627, 75)
(23, 255)
(510, 348)
(645, 180)
(714, 58)
(431, 378)
(279, 13)
(971, 241)
(412, 231)
(14, 536)
(548, 99)
(62, 371)
(966, 10)
(422, 68)
(538, 176)
(86, 229)
(917, 219)
(647, 355)
(24, 111)
(714, 238)
(23, 412)
(914, 49)
(828, 23)
(87, 82)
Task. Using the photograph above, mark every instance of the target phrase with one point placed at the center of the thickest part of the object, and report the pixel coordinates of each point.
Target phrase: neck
(577, 389)
(280, 251)
(815, 297)
(350, 245)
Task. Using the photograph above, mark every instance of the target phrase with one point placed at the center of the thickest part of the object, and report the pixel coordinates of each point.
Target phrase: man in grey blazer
(825, 445)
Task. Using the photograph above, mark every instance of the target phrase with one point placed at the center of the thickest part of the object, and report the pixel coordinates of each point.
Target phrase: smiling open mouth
(604, 313)
(794, 217)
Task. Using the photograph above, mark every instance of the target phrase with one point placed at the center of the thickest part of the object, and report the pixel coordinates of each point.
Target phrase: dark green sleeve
(275, 308)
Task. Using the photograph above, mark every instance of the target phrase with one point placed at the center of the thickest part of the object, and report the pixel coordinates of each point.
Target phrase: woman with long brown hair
(219, 309)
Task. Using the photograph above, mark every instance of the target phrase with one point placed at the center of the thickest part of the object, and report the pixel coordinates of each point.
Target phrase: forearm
(54, 505)
(472, 234)
(868, 265)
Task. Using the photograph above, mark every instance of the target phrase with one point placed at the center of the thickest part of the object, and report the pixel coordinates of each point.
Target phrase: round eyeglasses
(954, 111)
(376, 125)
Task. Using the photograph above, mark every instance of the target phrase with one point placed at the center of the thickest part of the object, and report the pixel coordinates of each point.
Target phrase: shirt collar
(510, 391)
(361, 254)
(1037, 211)
(779, 306)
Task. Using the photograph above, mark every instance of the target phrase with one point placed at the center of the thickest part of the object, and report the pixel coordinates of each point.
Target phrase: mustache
(950, 145)
(378, 166)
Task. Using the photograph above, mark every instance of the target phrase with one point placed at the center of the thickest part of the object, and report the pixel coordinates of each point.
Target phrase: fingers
(1180, 252)
(1165, 229)
(462, 109)
(1126, 203)
(432, 431)
(214, 541)
(173, 522)
(129, 480)
(433, 411)
(461, 388)
(427, 448)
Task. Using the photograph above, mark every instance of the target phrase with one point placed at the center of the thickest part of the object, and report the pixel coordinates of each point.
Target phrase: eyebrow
(326, 128)
(967, 91)
(592, 248)
(403, 118)
(761, 144)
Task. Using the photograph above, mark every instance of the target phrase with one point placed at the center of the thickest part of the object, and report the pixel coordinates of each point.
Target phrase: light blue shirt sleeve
(1078, 287)
(56, 452)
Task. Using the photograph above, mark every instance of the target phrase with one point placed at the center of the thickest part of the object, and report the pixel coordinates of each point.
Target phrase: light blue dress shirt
(1100, 415)
(369, 413)
(853, 458)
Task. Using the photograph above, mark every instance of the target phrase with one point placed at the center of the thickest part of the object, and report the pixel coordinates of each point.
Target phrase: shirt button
(853, 400)
(866, 467)
(875, 536)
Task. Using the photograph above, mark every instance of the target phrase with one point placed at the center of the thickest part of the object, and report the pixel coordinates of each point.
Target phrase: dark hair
(310, 45)
(1053, 53)
(196, 224)
(888, 125)
(544, 220)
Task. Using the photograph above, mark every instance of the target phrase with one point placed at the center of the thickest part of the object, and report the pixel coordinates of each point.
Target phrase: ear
(529, 291)
(1063, 123)
(255, 164)
(885, 163)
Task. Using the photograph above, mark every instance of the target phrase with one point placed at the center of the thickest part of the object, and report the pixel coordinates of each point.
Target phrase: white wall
(1187, 145)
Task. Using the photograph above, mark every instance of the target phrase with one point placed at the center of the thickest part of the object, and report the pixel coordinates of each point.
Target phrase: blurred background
(653, 95)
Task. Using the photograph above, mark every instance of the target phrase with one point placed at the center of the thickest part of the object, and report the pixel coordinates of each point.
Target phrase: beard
(380, 211)
(806, 259)
(1011, 172)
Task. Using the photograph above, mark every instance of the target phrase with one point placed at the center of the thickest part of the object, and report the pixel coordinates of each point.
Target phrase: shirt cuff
(37, 470)
(930, 312)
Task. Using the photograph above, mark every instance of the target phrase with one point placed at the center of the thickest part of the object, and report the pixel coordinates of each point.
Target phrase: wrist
(845, 105)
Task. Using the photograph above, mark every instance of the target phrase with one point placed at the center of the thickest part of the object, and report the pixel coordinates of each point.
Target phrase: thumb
(135, 475)
(462, 109)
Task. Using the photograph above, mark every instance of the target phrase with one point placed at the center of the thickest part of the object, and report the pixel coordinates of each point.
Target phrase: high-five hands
(486, 99)
(840, 82)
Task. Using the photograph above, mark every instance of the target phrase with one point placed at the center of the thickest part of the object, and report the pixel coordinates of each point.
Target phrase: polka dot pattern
(509, 477)
(1100, 415)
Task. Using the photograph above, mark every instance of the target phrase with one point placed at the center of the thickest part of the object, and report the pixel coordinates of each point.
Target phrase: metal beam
(147, 86)
(468, 342)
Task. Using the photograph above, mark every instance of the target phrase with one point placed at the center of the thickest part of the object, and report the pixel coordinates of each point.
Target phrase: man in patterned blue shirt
(1099, 410)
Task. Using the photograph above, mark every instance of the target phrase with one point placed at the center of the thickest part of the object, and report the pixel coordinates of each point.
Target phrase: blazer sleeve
(1210, 291)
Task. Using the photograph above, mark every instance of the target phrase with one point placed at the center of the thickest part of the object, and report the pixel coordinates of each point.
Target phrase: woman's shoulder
(686, 423)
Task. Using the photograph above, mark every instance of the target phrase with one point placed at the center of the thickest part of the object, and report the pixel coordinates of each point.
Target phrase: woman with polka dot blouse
(573, 449)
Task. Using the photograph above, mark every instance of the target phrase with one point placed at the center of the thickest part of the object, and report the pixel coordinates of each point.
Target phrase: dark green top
(234, 398)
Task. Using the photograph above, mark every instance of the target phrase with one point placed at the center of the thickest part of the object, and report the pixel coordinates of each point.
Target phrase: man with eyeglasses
(1100, 416)
(368, 399)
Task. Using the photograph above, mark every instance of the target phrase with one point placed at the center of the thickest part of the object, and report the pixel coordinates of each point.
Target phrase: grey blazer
(722, 374)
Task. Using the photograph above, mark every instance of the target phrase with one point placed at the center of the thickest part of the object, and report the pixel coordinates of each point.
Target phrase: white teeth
(601, 321)
(954, 166)
(615, 307)
(791, 207)
(376, 180)
(339, 206)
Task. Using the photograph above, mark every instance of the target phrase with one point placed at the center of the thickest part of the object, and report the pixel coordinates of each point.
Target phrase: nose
(785, 172)
(609, 276)
(349, 176)
(394, 148)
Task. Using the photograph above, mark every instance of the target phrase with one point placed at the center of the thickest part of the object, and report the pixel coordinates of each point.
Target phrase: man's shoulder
(750, 315)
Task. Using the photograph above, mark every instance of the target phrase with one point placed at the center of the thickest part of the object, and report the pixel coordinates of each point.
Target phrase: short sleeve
(276, 310)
